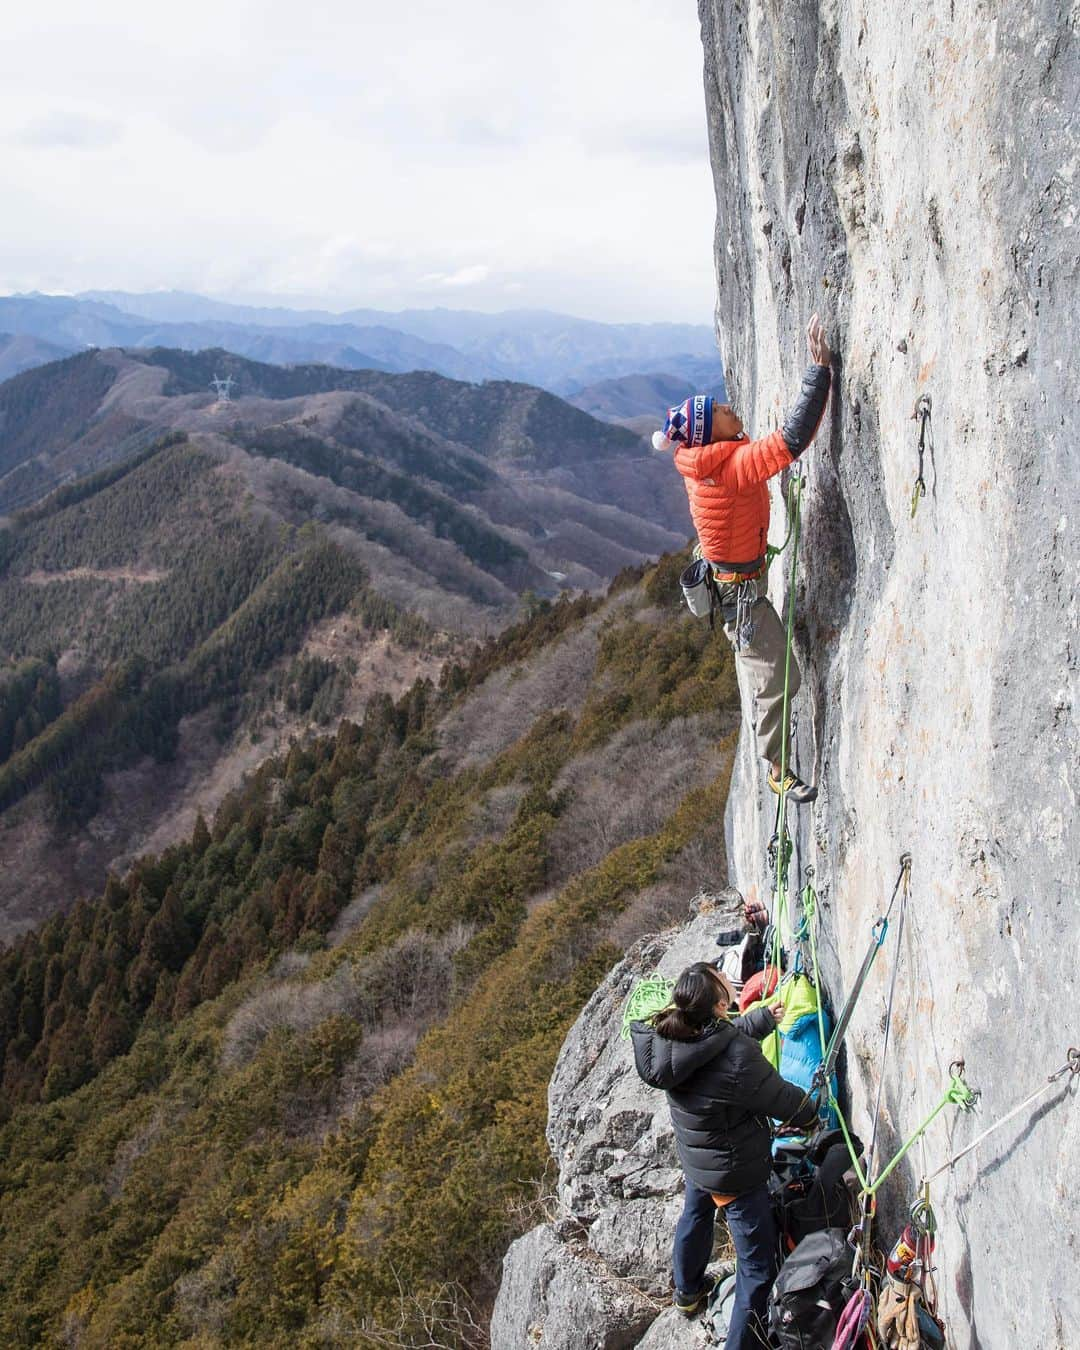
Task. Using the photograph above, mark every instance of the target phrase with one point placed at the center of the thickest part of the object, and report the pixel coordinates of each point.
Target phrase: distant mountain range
(184, 579)
(633, 396)
(555, 351)
(23, 352)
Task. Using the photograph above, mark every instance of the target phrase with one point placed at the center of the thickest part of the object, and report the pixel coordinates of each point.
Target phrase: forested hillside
(234, 573)
(45, 413)
(285, 1083)
(134, 600)
(59, 420)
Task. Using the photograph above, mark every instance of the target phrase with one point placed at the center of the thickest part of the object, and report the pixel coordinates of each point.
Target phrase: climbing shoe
(797, 791)
(691, 1304)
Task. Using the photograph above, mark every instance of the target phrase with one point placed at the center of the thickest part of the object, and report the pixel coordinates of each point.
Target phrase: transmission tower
(223, 387)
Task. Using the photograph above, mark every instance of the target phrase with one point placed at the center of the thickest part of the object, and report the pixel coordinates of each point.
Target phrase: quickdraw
(922, 414)
(853, 1320)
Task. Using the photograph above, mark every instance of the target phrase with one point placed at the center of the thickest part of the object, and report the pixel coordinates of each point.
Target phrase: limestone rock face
(598, 1275)
(910, 171)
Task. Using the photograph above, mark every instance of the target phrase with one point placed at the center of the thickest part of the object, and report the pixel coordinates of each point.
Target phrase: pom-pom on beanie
(689, 423)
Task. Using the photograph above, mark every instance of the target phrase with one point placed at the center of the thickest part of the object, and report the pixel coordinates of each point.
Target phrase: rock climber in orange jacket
(726, 477)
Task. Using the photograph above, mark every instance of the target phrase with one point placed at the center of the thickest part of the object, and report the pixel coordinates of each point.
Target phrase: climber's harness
(731, 588)
(731, 574)
(737, 608)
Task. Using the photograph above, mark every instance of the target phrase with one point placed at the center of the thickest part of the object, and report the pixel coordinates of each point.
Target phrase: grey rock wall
(910, 170)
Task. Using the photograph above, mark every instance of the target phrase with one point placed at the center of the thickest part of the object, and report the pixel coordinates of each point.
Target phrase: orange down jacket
(729, 499)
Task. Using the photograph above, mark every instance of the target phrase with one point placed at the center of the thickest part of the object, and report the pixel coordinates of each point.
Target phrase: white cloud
(464, 276)
(360, 153)
(64, 130)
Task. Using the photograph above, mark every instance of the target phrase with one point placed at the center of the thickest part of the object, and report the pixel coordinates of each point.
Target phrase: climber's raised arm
(802, 425)
(753, 462)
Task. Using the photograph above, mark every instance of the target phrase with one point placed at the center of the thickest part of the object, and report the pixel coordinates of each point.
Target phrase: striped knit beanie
(689, 423)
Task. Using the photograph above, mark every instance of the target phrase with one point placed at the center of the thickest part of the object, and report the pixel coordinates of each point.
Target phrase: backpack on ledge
(716, 1319)
(810, 1293)
(807, 1186)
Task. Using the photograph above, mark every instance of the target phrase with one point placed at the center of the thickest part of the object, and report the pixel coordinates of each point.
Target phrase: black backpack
(807, 1187)
(814, 1284)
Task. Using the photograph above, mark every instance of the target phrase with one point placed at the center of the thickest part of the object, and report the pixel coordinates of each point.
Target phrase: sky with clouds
(480, 155)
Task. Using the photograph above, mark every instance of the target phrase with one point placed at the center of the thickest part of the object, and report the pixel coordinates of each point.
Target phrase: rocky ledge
(597, 1275)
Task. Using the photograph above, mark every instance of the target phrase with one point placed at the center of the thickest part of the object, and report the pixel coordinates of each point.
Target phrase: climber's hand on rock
(819, 348)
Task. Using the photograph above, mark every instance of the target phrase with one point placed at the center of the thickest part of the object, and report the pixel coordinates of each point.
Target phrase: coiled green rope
(647, 997)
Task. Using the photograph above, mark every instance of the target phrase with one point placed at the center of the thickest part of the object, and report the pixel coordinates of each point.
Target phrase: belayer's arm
(769, 1094)
(758, 1023)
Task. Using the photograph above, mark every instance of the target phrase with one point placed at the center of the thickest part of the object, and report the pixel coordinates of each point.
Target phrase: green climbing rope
(810, 920)
(783, 851)
(795, 510)
(771, 550)
(956, 1094)
(647, 997)
(1070, 1067)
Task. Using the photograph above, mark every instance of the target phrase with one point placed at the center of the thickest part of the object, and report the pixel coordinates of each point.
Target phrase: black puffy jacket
(722, 1092)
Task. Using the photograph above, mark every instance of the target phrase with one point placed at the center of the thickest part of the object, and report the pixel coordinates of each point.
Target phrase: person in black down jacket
(722, 1092)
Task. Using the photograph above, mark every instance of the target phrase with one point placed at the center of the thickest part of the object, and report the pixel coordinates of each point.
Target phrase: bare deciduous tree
(509, 701)
(445, 1320)
(408, 981)
(629, 786)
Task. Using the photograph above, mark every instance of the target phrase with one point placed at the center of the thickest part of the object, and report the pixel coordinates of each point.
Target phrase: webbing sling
(1070, 1067)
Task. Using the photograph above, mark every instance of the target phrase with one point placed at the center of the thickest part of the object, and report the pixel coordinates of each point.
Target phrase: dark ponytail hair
(696, 994)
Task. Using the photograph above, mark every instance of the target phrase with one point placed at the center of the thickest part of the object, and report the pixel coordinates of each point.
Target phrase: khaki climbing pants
(760, 668)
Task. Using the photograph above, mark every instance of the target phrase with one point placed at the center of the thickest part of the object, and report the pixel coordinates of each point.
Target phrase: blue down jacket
(722, 1092)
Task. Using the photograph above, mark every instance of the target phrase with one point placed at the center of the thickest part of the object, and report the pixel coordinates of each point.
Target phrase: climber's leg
(750, 1223)
(760, 665)
(693, 1243)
